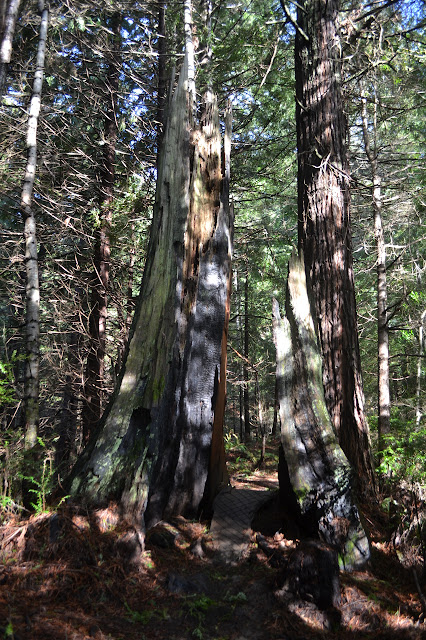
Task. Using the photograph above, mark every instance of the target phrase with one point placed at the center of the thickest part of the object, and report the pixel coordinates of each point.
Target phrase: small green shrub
(404, 453)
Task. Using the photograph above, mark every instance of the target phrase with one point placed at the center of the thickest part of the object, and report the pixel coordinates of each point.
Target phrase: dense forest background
(109, 71)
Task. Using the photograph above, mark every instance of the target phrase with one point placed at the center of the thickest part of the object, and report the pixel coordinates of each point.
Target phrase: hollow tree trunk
(324, 225)
(160, 436)
(94, 380)
(32, 294)
(318, 477)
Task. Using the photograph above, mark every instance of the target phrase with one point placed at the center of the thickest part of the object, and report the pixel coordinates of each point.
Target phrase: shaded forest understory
(69, 575)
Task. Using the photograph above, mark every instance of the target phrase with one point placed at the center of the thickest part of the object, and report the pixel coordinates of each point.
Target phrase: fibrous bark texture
(154, 449)
(324, 225)
(318, 478)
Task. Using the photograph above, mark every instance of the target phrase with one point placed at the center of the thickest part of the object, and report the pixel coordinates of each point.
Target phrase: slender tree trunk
(262, 426)
(383, 395)
(324, 225)
(247, 429)
(32, 321)
(67, 428)
(419, 408)
(237, 289)
(155, 447)
(94, 382)
(7, 30)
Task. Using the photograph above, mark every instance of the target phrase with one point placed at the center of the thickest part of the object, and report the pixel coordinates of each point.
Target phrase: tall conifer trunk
(383, 389)
(324, 224)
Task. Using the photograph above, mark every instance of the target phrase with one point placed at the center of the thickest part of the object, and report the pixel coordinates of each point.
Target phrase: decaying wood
(317, 474)
(163, 431)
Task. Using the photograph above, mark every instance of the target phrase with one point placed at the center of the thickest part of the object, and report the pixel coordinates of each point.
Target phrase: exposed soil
(73, 576)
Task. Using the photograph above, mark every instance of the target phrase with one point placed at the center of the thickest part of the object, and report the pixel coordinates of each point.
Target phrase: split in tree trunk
(162, 434)
(317, 481)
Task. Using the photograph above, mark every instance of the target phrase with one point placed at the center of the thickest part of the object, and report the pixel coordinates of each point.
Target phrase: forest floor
(74, 576)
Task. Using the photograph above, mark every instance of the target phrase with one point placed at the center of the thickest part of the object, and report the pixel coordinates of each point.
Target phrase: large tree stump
(317, 478)
(159, 448)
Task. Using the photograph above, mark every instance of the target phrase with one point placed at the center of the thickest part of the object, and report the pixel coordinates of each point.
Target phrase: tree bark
(247, 428)
(161, 84)
(32, 319)
(155, 447)
(94, 380)
(318, 477)
(7, 31)
(325, 228)
(419, 408)
(383, 391)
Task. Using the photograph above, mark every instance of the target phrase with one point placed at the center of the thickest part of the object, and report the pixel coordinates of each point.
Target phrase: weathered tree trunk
(160, 436)
(318, 474)
(32, 319)
(94, 380)
(383, 390)
(6, 32)
(324, 225)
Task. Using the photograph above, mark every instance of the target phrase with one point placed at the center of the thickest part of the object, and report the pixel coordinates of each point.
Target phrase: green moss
(356, 552)
(157, 389)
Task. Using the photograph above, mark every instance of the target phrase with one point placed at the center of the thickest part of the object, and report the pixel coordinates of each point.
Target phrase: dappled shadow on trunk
(316, 480)
(159, 450)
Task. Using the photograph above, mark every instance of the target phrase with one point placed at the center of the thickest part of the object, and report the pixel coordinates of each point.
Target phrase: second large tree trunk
(316, 479)
(324, 225)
